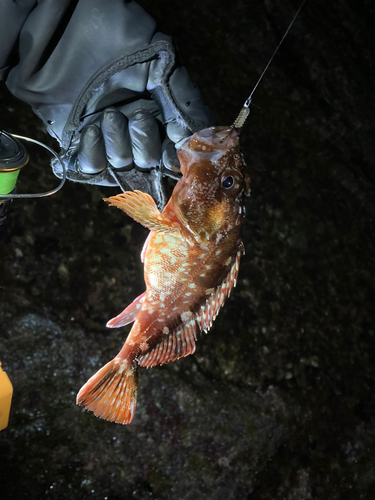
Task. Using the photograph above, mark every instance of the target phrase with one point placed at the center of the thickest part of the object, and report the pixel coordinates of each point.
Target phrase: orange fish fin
(175, 345)
(211, 308)
(128, 315)
(142, 208)
(112, 392)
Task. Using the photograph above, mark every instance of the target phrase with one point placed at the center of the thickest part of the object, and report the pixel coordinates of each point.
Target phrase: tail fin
(112, 392)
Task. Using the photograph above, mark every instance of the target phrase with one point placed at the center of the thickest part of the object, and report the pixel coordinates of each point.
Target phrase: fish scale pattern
(181, 342)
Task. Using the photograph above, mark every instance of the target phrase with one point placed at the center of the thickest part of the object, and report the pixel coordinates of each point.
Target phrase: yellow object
(6, 391)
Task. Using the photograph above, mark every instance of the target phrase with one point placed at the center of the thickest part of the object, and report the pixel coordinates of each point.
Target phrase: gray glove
(131, 142)
(106, 87)
(142, 133)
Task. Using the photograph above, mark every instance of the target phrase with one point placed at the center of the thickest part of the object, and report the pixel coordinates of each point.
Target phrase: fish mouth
(217, 133)
(217, 138)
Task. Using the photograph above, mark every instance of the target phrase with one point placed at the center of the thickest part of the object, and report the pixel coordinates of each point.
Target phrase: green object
(13, 157)
(8, 181)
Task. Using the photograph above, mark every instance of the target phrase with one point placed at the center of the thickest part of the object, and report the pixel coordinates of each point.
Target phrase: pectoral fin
(142, 208)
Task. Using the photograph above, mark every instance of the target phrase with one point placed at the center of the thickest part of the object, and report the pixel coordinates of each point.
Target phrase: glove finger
(170, 159)
(117, 139)
(176, 131)
(145, 139)
(91, 152)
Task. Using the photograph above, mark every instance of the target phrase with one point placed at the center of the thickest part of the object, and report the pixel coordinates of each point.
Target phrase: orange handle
(6, 391)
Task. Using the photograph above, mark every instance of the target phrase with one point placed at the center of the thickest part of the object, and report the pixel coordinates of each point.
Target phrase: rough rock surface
(278, 401)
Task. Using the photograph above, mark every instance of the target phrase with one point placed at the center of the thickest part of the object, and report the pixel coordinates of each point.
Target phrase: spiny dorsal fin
(142, 208)
(128, 315)
(181, 342)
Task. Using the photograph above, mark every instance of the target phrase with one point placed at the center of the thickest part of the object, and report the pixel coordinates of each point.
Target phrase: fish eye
(227, 182)
(231, 182)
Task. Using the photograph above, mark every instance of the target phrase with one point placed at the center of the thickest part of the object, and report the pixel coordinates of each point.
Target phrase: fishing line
(245, 111)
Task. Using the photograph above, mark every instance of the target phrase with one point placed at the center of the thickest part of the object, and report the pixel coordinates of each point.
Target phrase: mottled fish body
(191, 260)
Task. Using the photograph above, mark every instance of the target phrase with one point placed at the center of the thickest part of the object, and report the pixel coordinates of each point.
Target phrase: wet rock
(171, 437)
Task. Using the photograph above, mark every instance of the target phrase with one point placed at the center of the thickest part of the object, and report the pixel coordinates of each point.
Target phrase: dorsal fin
(181, 341)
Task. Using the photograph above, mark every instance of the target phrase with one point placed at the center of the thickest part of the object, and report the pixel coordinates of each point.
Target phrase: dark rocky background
(278, 401)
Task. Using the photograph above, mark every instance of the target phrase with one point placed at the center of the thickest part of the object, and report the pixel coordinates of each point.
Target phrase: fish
(191, 260)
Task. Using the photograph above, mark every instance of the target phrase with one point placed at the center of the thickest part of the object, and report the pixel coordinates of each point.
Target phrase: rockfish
(191, 259)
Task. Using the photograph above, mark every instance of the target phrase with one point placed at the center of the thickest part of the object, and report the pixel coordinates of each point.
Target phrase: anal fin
(128, 315)
(175, 345)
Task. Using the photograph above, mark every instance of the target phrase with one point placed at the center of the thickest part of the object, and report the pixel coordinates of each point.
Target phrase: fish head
(209, 200)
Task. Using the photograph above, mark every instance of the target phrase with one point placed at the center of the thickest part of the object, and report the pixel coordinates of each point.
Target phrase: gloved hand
(127, 140)
(142, 133)
(105, 85)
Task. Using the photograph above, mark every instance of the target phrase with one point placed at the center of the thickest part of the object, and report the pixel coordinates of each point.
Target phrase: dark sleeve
(54, 49)
(63, 43)
(12, 17)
